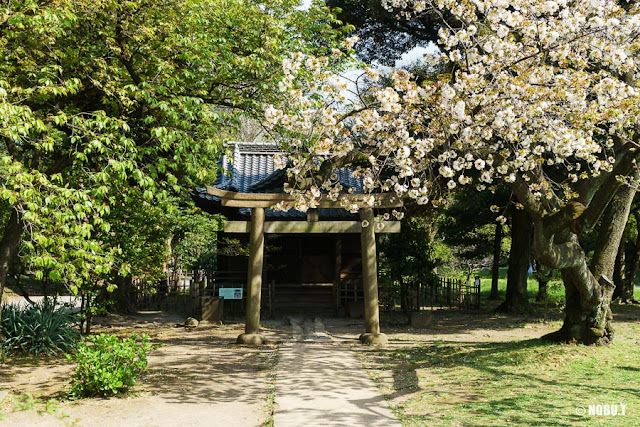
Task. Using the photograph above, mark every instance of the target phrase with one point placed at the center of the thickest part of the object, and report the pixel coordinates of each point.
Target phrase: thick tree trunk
(610, 245)
(8, 247)
(125, 295)
(620, 272)
(611, 231)
(517, 299)
(588, 317)
(587, 313)
(495, 268)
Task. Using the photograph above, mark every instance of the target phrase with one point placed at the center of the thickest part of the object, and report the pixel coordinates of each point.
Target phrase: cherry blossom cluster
(527, 92)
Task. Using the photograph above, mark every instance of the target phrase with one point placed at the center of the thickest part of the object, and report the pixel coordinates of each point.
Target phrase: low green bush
(108, 365)
(37, 329)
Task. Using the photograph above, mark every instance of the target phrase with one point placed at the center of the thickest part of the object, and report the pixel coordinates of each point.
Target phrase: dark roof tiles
(250, 169)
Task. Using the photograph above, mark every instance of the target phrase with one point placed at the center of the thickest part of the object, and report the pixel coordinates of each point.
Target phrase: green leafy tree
(472, 230)
(384, 37)
(100, 96)
(409, 259)
(196, 240)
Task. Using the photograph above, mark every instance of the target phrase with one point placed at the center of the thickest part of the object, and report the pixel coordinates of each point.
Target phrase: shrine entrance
(309, 251)
(258, 227)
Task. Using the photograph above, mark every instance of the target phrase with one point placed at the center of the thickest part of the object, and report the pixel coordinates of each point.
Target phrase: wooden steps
(301, 297)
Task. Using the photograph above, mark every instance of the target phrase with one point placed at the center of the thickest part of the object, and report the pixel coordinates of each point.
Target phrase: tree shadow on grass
(441, 370)
(456, 321)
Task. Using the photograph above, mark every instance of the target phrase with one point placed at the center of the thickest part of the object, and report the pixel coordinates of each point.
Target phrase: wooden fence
(449, 292)
(184, 292)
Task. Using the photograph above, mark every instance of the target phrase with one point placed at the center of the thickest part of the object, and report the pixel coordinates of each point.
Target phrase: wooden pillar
(370, 281)
(337, 270)
(254, 280)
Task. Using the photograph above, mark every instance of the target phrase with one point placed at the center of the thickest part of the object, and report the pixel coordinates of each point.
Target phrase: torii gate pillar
(370, 281)
(254, 280)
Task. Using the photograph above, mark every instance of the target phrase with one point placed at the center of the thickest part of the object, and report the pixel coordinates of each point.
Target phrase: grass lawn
(479, 380)
(555, 288)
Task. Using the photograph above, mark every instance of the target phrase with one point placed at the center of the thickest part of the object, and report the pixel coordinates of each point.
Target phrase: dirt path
(196, 378)
(202, 378)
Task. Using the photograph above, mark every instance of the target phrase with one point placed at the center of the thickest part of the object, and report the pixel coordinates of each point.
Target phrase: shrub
(108, 365)
(37, 329)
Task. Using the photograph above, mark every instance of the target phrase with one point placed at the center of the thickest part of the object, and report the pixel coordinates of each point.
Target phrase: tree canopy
(540, 95)
(384, 37)
(99, 97)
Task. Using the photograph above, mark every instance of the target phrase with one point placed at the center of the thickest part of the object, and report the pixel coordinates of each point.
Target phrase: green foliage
(384, 37)
(232, 247)
(141, 230)
(409, 258)
(37, 329)
(29, 402)
(108, 365)
(195, 240)
(555, 287)
(98, 98)
(469, 226)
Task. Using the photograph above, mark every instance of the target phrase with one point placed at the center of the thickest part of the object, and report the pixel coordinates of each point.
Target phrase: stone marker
(190, 322)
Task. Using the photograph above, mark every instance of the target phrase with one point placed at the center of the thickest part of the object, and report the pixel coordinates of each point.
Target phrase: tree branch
(607, 189)
(126, 62)
(11, 147)
(521, 190)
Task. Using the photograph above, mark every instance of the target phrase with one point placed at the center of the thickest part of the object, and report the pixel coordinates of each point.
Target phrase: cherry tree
(539, 95)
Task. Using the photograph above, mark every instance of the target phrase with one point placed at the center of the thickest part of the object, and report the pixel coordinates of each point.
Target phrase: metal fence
(171, 294)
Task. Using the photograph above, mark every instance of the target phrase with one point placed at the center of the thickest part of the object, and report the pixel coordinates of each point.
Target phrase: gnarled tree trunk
(543, 281)
(587, 313)
(588, 291)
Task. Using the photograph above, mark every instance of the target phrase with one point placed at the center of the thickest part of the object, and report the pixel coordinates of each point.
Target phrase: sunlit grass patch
(528, 382)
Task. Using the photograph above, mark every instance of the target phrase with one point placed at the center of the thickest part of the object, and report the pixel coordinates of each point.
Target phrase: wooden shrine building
(324, 258)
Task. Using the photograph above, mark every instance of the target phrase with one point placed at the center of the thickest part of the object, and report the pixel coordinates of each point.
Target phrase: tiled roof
(250, 169)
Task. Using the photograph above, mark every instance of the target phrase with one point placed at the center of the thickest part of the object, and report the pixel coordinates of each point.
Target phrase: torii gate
(257, 228)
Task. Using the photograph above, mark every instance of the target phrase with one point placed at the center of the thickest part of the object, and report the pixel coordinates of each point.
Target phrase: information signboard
(230, 293)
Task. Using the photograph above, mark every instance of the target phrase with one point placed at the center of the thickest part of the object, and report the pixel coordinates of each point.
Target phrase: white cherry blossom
(537, 84)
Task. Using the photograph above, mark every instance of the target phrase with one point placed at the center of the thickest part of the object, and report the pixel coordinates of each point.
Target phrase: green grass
(519, 383)
(270, 406)
(555, 288)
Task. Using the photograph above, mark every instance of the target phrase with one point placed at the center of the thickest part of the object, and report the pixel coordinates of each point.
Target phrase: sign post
(230, 293)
